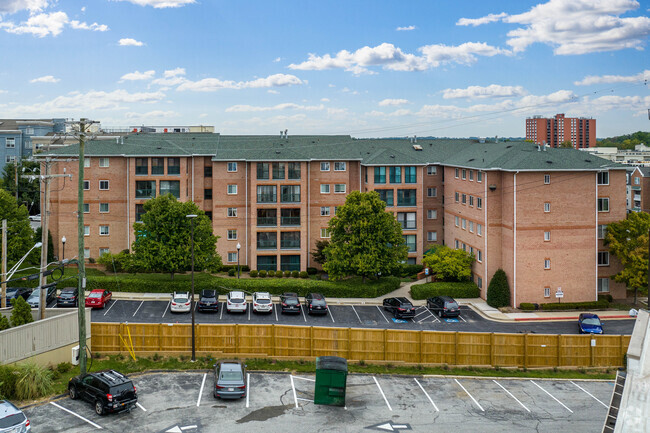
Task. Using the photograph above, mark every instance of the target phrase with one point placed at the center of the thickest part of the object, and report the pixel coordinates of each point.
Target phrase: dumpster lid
(331, 363)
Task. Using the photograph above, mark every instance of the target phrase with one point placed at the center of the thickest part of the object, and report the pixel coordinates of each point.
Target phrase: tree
(628, 240)
(365, 239)
(22, 312)
(4, 324)
(35, 256)
(567, 144)
(448, 264)
(28, 191)
(163, 238)
(498, 293)
(20, 236)
(319, 252)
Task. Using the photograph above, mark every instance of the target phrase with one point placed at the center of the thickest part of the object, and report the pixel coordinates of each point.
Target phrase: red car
(98, 298)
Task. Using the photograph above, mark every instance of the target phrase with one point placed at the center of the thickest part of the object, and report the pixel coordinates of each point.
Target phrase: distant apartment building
(640, 155)
(640, 186)
(538, 213)
(16, 137)
(580, 131)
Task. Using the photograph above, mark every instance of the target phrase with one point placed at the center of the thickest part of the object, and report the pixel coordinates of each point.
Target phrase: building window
(173, 166)
(290, 217)
(278, 171)
(456, 243)
(410, 175)
(432, 192)
(267, 240)
(602, 231)
(603, 204)
(158, 167)
(395, 175)
(547, 263)
(267, 263)
(456, 174)
(103, 251)
(637, 180)
(86, 230)
(267, 194)
(103, 185)
(290, 240)
(479, 229)
(232, 167)
(232, 212)
(432, 214)
(547, 207)
(294, 171)
(471, 175)
(232, 235)
(232, 189)
(479, 256)
(479, 203)
(324, 233)
(86, 162)
(86, 208)
(86, 253)
(471, 226)
(172, 187)
(464, 176)
(456, 221)
(464, 246)
(410, 241)
(479, 281)
(603, 258)
(336, 209)
(324, 166)
(463, 223)
(86, 185)
(339, 166)
(547, 236)
(479, 176)
(103, 162)
(603, 178)
(463, 199)
(380, 174)
(139, 211)
(103, 230)
(324, 188)
(145, 189)
(207, 193)
(339, 188)
(290, 194)
(262, 171)
(456, 196)
(603, 285)
(432, 170)
(432, 236)
(547, 179)
(547, 292)
(103, 207)
(267, 217)
(471, 200)
(11, 143)
(232, 257)
(406, 220)
(406, 197)
(10, 159)
(290, 263)
(324, 211)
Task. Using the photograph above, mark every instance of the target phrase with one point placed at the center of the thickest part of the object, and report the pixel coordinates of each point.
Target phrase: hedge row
(603, 303)
(465, 289)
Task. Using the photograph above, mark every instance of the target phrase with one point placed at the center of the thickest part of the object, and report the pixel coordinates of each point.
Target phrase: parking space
(183, 402)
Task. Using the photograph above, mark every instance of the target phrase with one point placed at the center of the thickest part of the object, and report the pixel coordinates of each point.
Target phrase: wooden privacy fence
(381, 345)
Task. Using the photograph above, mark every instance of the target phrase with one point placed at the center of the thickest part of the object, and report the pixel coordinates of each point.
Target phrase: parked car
(98, 298)
(208, 301)
(15, 292)
(35, 217)
(443, 306)
(108, 391)
(400, 307)
(12, 419)
(181, 303)
(229, 380)
(315, 304)
(589, 323)
(289, 303)
(34, 299)
(67, 297)
(236, 302)
(262, 302)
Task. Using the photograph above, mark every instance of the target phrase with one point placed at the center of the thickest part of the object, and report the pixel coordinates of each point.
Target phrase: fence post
(273, 347)
(160, 328)
(349, 343)
(311, 341)
(236, 339)
(492, 343)
(197, 338)
(385, 346)
(121, 332)
(456, 348)
(525, 350)
(623, 350)
(559, 350)
(592, 355)
(420, 347)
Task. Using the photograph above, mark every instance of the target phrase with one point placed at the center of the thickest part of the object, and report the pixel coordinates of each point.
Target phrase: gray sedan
(229, 380)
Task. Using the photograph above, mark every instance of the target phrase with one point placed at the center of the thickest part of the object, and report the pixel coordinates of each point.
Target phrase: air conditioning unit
(75, 355)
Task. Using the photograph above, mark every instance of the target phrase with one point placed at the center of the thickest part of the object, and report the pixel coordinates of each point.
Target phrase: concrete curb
(564, 318)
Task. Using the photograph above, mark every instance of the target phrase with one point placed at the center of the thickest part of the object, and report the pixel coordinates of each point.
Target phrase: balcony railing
(267, 221)
(290, 244)
(290, 198)
(267, 245)
(156, 170)
(141, 170)
(267, 198)
(290, 221)
(407, 225)
(145, 193)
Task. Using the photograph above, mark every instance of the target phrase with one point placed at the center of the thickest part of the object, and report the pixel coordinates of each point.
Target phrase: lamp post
(63, 251)
(238, 248)
(191, 217)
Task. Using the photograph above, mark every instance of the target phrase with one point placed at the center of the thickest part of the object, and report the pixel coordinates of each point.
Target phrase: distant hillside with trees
(627, 141)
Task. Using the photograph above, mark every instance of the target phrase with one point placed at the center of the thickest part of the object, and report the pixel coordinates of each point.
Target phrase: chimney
(539, 149)
(281, 134)
(415, 138)
(286, 133)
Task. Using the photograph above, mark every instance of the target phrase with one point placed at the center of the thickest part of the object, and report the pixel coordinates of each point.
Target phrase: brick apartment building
(640, 189)
(554, 131)
(538, 213)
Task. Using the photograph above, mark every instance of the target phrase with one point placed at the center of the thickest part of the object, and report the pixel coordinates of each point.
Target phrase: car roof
(403, 300)
(588, 315)
(208, 292)
(8, 408)
(111, 377)
(447, 298)
(316, 296)
(230, 365)
(287, 294)
(68, 289)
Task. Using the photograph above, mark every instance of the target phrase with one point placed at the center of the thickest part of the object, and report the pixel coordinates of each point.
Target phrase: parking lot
(358, 316)
(183, 402)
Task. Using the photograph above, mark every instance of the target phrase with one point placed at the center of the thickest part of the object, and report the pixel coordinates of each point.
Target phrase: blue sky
(365, 68)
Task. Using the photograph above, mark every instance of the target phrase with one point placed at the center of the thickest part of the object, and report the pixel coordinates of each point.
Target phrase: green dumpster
(331, 376)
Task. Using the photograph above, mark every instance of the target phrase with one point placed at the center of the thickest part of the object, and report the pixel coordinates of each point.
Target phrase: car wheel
(73, 392)
(99, 407)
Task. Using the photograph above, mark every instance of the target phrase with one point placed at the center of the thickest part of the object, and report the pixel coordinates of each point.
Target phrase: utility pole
(45, 218)
(3, 277)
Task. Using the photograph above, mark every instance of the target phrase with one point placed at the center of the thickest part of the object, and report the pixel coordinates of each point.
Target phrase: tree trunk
(172, 275)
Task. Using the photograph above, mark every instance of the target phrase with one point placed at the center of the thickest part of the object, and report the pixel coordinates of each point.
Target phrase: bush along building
(538, 213)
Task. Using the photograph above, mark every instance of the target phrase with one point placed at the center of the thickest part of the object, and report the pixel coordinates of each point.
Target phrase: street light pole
(63, 251)
(238, 248)
(191, 217)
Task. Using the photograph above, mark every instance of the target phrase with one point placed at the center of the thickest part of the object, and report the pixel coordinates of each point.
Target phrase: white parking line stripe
(550, 395)
(109, 308)
(382, 314)
(168, 304)
(276, 312)
(293, 387)
(470, 395)
(430, 315)
(304, 378)
(198, 401)
(78, 416)
(187, 427)
(382, 394)
(355, 312)
(510, 394)
(589, 394)
(303, 313)
(329, 310)
(461, 318)
(304, 399)
(425, 393)
(221, 307)
(249, 312)
(248, 387)
(140, 406)
(137, 309)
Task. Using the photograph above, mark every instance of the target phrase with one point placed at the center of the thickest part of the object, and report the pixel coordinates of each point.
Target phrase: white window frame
(86, 230)
(547, 292)
(432, 214)
(86, 185)
(456, 220)
(637, 180)
(432, 192)
(338, 164)
(479, 256)
(471, 175)
(479, 203)
(463, 223)
(601, 176)
(108, 185)
(324, 188)
(432, 236)
(103, 251)
(231, 234)
(10, 143)
(337, 186)
(86, 162)
(471, 200)
(432, 170)
(232, 167)
(86, 206)
(231, 212)
(464, 174)
(456, 173)
(547, 207)
(104, 230)
(479, 176)
(107, 207)
(547, 179)
(547, 263)
(324, 166)
(10, 159)
(325, 211)
(456, 196)
(325, 233)
(456, 244)
(471, 226)
(479, 230)
(602, 231)
(232, 257)
(104, 162)
(601, 282)
(603, 200)
(86, 253)
(232, 189)
(547, 236)
(605, 256)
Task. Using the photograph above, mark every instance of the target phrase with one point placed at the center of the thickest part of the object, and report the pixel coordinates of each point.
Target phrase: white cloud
(393, 102)
(203, 115)
(174, 72)
(464, 54)
(161, 4)
(397, 113)
(273, 92)
(277, 59)
(596, 79)
(171, 77)
(324, 100)
(12, 6)
(45, 79)
(157, 114)
(278, 107)
(84, 26)
(405, 29)
(83, 9)
(483, 20)
(491, 91)
(138, 76)
(130, 42)
(40, 25)
(214, 84)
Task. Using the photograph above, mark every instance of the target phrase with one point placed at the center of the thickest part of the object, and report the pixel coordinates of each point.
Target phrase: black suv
(67, 297)
(444, 306)
(289, 303)
(400, 307)
(315, 304)
(15, 292)
(109, 391)
(208, 301)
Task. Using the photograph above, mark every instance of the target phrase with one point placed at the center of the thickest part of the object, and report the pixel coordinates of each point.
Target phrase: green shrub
(278, 274)
(303, 274)
(498, 292)
(555, 306)
(607, 297)
(527, 306)
(64, 367)
(4, 323)
(271, 273)
(262, 273)
(22, 312)
(8, 378)
(91, 260)
(287, 274)
(33, 381)
(253, 273)
(311, 271)
(405, 270)
(231, 272)
(464, 289)
(242, 268)
(296, 274)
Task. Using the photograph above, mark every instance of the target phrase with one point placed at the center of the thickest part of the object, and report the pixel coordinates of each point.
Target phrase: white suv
(180, 303)
(262, 302)
(236, 302)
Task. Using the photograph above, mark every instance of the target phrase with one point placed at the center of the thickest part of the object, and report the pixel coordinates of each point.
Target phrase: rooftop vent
(417, 147)
(470, 160)
(392, 156)
(277, 151)
(549, 162)
(508, 147)
(588, 160)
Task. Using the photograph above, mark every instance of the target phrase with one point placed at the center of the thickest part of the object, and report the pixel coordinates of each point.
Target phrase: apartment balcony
(636, 188)
(267, 221)
(267, 245)
(290, 221)
(290, 244)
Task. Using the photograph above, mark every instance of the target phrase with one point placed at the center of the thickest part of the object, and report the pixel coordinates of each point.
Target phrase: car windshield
(95, 295)
(67, 294)
(318, 301)
(230, 375)
(591, 321)
(180, 299)
(406, 305)
(35, 294)
(263, 301)
(236, 300)
(12, 420)
(451, 305)
(209, 298)
(291, 301)
(122, 388)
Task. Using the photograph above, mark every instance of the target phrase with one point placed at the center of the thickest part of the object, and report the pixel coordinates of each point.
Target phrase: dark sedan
(208, 301)
(35, 299)
(400, 307)
(289, 303)
(443, 306)
(67, 297)
(229, 380)
(315, 304)
(15, 292)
